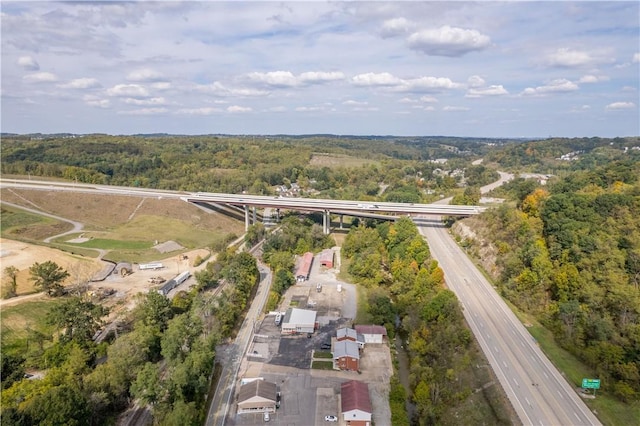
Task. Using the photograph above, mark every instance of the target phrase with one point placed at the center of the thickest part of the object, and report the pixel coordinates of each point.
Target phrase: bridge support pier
(326, 221)
(246, 218)
(341, 217)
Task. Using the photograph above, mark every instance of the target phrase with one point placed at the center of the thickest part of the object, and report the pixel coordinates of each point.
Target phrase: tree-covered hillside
(569, 252)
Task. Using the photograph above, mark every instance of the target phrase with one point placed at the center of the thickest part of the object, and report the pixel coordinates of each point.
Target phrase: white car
(330, 419)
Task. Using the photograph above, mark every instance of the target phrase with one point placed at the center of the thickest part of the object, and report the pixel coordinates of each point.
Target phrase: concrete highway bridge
(370, 209)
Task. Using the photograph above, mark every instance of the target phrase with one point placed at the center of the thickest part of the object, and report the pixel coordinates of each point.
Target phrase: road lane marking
(561, 395)
(525, 398)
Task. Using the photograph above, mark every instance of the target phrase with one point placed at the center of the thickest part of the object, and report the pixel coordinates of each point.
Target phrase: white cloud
(161, 85)
(428, 84)
(145, 75)
(620, 105)
(236, 108)
(554, 86)
(455, 108)
(309, 109)
(274, 78)
(320, 77)
(128, 91)
(354, 103)
(475, 81)
(199, 111)
(589, 78)
(28, 63)
(81, 83)
(145, 111)
(572, 58)
(40, 77)
(373, 79)
(636, 58)
(150, 101)
(448, 41)
(95, 101)
(429, 99)
(395, 27)
(493, 90)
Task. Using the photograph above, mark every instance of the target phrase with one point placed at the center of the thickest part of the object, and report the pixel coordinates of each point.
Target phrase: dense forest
(332, 166)
(406, 292)
(569, 253)
(163, 355)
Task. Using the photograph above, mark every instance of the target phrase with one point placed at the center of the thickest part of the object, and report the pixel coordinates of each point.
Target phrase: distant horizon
(528, 138)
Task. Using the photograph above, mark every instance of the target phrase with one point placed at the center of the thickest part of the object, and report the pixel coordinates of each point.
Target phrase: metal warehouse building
(299, 321)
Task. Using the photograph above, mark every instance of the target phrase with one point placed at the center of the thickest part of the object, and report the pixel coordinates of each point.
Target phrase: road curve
(537, 390)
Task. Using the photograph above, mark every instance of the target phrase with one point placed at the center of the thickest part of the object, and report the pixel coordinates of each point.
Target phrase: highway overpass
(375, 209)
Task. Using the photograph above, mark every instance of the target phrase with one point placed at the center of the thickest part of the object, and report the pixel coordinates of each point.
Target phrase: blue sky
(486, 69)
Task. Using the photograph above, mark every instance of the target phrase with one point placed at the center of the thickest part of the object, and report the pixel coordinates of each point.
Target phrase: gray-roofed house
(346, 355)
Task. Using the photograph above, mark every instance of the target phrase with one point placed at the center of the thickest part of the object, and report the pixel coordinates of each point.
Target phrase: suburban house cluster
(350, 341)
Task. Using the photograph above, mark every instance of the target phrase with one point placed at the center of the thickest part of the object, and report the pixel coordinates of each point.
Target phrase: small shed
(326, 258)
(258, 396)
(356, 403)
(372, 333)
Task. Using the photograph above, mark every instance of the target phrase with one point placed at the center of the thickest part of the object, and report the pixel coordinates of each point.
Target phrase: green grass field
(17, 320)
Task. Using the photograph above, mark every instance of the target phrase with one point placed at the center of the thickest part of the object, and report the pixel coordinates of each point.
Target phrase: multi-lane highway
(536, 389)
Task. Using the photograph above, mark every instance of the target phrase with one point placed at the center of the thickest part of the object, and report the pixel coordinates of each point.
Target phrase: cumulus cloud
(150, 101)
(428, 84)
(288, 79)
(351, 102)
(309, 109)
(274, 78)
(95, 101)
(145, 75)
(320, 77)
(554, 86)
(237, 108)
(376, 79)
(429, 99)
(128, 91)
(28, 63)
(573, 58)
(455, 108)
(476, 81)
(620, 105)
(81, 83)
(40, 77)
(396, 27)
(199, 111)
(592, 78)
(636, 58)
(144, 111)
(493, 90)
(448, 41)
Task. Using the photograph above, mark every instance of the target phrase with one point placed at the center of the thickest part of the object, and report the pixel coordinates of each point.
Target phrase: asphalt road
(537, 390)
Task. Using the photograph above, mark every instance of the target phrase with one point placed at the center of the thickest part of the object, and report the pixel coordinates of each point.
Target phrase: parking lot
(308, 395)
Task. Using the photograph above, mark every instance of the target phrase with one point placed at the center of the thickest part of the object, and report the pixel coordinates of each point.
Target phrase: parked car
(330, 419)
(325, 346)
(267, 417)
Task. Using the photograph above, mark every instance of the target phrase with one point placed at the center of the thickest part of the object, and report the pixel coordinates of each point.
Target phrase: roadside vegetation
(163, 353)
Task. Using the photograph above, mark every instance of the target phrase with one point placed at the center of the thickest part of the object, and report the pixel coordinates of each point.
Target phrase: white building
(299, 321)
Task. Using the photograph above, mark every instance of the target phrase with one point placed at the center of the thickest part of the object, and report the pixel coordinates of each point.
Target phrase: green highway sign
(591, 383)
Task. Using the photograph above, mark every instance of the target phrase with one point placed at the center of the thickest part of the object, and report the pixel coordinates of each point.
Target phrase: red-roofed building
(372, 333)
(304, 268)
(356, 404)
(326, 258)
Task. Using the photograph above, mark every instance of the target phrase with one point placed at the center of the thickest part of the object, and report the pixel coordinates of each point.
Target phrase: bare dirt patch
(23, 255)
